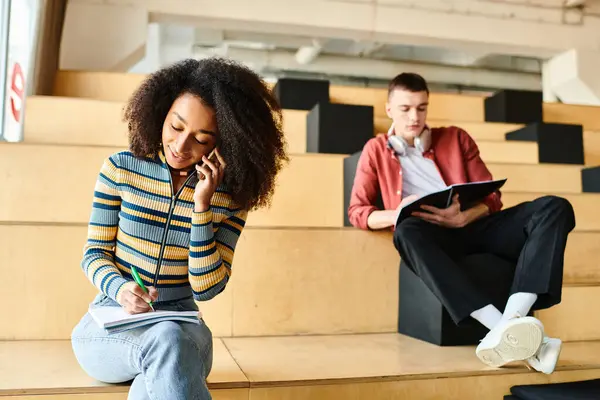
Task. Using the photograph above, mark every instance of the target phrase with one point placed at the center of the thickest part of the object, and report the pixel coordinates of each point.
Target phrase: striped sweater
(137, 220)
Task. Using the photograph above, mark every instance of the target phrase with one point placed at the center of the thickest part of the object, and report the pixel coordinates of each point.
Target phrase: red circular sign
(17, 88)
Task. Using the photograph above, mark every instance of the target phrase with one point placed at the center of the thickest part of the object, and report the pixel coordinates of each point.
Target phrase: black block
(590, 180)
(301, 94)
(422, 316)
(582, 390)
(557, 143)
(350, 165)
(514, 107)
(511, 397)
(338, 128)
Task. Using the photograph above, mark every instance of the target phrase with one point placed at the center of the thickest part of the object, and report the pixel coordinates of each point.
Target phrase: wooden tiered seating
(297, 270)
(444, 106)
(98, 123)
(303, 296)
(48, 370)
(40, 196)
(376, 366)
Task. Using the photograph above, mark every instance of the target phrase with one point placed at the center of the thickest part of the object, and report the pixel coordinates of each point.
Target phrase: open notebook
(115, 319)
(469, 194)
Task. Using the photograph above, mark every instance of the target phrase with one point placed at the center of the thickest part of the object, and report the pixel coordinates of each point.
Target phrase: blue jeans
(167, 360)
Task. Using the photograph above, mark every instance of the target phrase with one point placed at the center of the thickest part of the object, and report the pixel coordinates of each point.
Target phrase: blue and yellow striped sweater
(136, 220)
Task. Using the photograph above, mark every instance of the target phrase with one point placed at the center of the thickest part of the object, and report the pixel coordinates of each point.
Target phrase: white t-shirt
(420, 175)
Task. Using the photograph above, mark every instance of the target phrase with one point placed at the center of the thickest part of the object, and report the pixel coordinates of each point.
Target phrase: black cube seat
(582, 390)
(422, 316)
(301, 94)
(338, 128)
(514, 107)
(557, 143)
(350, 165)
(590, 180)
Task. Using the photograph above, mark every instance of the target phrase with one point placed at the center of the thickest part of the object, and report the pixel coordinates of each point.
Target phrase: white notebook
(115, 319)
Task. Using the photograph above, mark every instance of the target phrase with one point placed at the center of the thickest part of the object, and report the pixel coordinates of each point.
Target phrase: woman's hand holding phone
(210, 175)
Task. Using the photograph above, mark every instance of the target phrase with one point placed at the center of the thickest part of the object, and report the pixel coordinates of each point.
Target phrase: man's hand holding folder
(453, 207)
(452, 217)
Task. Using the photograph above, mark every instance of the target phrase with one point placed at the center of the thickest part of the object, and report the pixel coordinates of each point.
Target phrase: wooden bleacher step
(119, 87)
(443, 106)
(312, 288)
(300, 199)
(32, 370)
(382, 366)
(88, 122)
(385, 366)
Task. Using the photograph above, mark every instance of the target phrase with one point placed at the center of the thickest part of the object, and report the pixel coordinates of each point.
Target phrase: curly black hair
(248, 118)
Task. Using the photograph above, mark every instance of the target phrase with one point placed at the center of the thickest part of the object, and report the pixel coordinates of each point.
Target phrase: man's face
(408, 110)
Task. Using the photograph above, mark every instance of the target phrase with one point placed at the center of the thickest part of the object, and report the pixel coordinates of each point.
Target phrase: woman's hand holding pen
(134, 300)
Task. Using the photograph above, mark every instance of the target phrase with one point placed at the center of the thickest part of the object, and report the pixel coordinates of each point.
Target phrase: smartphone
(212, 156)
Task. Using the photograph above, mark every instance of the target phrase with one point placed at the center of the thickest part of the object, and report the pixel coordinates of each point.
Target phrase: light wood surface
(109, 86)
(380, 366)
(71, 396)
(41, 266)
(320, 281)
(225, 372)
(541, 178)
(217, 394)
(375, 97)
(42, 367)
(309, 192)
(119, 86)
(376, 357)
(574, 319)
(591, 147)
(294, 128)
(81, 121)
(90, 122)
(314, 274)
(465, 388)
(572, 114)
(443, 106)
(291, 282)
(581, 259)
(74, 121)
(508, 152)
(49, 183)
(230, 394)
(39, 367)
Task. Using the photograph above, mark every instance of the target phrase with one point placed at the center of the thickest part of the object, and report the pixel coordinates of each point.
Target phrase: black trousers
(533, 235)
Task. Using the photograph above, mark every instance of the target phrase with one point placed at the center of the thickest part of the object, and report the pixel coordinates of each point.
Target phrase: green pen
(138, 280)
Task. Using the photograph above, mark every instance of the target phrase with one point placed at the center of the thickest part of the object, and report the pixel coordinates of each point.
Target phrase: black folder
(469, 194)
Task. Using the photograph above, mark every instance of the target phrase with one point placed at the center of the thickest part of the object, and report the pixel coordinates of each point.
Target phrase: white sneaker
(547, 356)
(514, 340)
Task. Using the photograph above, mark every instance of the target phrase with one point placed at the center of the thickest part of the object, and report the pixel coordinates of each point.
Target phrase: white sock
(489, 316)
(518, 303)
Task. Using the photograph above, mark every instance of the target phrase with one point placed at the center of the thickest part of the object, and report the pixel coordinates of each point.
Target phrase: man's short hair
(408, 81)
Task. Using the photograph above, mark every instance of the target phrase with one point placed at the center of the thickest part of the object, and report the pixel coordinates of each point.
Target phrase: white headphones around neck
(399, 144)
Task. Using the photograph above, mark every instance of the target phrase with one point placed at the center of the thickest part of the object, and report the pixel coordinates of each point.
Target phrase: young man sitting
(413, 160)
